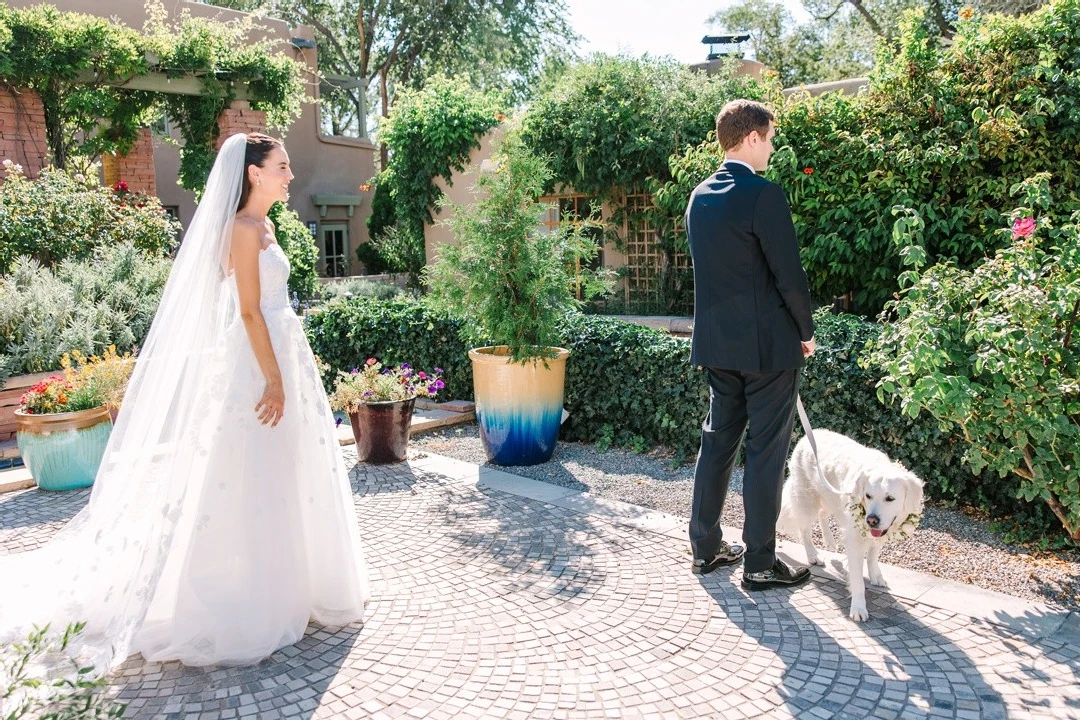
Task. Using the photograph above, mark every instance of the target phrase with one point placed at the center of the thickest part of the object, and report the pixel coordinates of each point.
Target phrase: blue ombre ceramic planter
(63, 450)
(518, 406)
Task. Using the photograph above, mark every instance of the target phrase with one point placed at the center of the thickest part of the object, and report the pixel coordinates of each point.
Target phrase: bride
(221, 520)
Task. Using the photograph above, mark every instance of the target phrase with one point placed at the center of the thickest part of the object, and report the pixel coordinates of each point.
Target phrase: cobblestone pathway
(492, 604)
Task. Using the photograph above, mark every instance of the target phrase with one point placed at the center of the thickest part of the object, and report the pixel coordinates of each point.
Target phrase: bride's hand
(272, 405)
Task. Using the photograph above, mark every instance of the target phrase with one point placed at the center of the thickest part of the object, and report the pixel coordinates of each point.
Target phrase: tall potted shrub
(515, 280)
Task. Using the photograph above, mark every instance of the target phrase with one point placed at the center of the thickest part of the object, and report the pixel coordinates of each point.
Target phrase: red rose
(121, 186)
(1023, 227)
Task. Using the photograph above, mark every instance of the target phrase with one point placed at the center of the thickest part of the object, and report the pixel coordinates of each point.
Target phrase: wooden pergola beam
(161, 83)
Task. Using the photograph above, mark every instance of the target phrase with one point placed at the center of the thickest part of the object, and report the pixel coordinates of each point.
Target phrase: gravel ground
(949, 543)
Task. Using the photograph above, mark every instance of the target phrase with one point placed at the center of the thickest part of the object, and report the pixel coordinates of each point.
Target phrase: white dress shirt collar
(744, 164)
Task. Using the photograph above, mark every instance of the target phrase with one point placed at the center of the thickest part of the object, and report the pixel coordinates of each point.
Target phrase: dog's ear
(913, 494)
(858, 487)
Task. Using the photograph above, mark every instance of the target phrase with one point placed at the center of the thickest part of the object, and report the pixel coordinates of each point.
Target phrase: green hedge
(631, 385)
(346, 332)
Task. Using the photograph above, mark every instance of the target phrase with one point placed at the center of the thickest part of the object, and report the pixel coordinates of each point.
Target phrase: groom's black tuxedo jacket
(751, 299)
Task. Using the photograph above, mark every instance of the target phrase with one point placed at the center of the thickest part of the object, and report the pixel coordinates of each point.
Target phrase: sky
(657, 27)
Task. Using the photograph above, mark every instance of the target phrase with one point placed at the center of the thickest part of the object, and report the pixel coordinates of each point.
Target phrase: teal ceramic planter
(63, 450)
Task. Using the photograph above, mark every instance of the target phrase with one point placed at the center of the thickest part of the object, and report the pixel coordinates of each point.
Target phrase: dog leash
(813, 444)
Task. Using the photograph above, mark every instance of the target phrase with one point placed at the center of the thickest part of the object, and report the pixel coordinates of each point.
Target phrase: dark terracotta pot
(381, 430)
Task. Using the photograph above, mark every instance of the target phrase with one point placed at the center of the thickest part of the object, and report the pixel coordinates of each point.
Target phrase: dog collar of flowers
(904, 530)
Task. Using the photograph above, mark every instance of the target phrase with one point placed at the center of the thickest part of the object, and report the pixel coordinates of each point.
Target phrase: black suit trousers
(765, 402)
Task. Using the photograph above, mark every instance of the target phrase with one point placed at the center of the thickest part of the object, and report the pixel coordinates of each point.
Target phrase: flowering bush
(994, 352)
(66, 215)
(942, 129)
(374, 383)
(58, 394)
(108, 373)
(87, 382)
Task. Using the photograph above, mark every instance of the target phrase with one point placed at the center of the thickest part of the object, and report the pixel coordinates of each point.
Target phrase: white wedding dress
(272, 539)
(208, 538)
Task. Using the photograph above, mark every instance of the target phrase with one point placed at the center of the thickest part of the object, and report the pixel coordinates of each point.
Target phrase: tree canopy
(392, 44)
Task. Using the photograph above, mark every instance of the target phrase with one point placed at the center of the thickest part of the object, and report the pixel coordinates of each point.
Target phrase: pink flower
(1023, 227)
(371, 361)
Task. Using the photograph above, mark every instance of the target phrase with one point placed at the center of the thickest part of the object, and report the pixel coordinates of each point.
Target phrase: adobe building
(329, 169)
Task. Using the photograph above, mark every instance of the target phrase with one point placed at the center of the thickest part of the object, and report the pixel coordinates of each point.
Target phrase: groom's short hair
(738, 119)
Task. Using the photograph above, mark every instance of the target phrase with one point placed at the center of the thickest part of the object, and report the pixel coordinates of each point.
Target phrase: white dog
(872, 499)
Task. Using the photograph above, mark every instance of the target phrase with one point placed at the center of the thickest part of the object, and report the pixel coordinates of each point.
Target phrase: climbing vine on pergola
(101, 81)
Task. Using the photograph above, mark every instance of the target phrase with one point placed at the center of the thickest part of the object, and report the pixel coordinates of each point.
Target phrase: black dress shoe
(727, 555)
(779, 575)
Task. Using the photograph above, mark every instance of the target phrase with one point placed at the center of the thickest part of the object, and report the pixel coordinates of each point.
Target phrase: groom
(752, 329)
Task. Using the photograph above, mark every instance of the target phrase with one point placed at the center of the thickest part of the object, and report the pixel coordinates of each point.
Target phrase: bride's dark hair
(258, 148)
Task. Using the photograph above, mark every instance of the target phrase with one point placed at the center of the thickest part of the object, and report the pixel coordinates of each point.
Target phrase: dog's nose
(873, 520)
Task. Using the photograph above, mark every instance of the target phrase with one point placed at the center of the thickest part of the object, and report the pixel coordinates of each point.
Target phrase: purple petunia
(438, 371)
(405, 366)
(439, 384)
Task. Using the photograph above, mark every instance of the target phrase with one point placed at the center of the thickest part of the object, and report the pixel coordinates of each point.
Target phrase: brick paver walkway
(522, 600)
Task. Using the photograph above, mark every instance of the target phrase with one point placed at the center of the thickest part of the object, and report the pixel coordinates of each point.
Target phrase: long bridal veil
(103, 566)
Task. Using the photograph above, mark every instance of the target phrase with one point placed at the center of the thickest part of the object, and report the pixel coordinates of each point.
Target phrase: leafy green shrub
(625, 382)
(995, 353)
(84, 305)
(612, 123)
(383, 218)
(359, 288)
(430, 133)
(346, 332)
(373, 261)
(631, 385)
(512, 279)
(942, 130)
(295, 239)
(64, 215)
(74, 695)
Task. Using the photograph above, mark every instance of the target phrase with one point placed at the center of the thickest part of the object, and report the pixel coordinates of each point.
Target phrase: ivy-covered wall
(76, 62)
